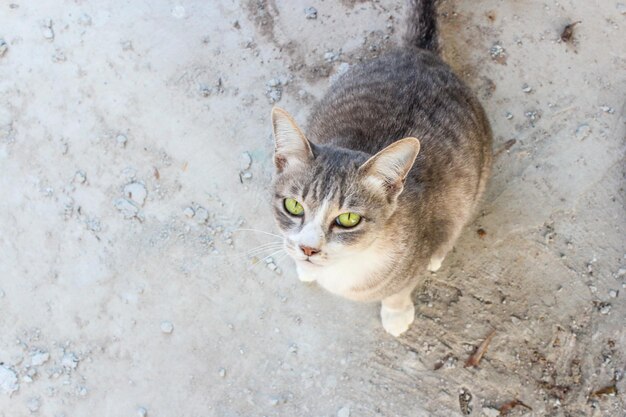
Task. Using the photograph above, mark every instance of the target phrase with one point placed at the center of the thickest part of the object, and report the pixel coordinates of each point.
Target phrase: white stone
(202, 214)
(189, 212)
(245, 161)
(128, 209)
(121, 140)
(167, 327)
(8, 380)
(39, 358)
(344, 412)
(69, 360)
(136, 192)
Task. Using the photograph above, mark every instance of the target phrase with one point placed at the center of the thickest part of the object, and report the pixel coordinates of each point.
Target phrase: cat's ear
(387, 170)
(291, 147)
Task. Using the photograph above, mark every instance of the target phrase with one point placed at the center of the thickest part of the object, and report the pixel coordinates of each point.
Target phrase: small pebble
(621, 7)
(311, 13)
(497, 53)
(605, 309)
(343, 412)
(613, 293)
(245, 161)
(3, 47)
(121, 140)
(246, 175)
(583, 131)
(80, 177)
(532, 115)
(2, 293)
(189, 212)
(142, 412)
(274, 82)
(222, 372)
(33, 404)
(607, 109)
(167, 327)
(84, 19)
(47, 31)
(621, 272)
(136, 192)
(526, 88)
(128, 209)
(509, 115)
(39, 358)
(8, 380)
(202, 215)
(330, 56)
(69, 360)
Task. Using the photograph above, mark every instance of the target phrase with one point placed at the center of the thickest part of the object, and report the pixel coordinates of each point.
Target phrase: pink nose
(309, 251)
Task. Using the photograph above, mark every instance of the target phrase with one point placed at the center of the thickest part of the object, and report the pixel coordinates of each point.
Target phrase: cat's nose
(309, 251)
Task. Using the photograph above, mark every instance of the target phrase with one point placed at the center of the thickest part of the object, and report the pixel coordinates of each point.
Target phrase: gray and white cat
(392, 166)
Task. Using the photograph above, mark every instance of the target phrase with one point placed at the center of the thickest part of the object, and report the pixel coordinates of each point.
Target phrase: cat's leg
(435, 262)
(397, 312)
(436, 259)
(304, 276)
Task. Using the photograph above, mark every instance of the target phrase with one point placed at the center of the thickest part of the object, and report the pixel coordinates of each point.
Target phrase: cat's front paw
(434, 264)
(397, 322)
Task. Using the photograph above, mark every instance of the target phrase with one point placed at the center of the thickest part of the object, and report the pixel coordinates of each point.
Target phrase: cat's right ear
(387, 170)
(291, 147)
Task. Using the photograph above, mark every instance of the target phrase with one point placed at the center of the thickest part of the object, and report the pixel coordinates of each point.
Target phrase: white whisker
(258, 231)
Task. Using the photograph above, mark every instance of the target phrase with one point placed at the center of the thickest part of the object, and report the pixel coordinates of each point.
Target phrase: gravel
(245, 161)
(3, 47)
(80, 177)
(46, 30)
(136, 192)
(167, 327)
(8, 380)
(39, 358)
(121, 140)
(310, 12)
(127, 208)
(343, 412)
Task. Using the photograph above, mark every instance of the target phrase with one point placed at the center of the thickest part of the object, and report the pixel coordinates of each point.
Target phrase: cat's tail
(422, 25)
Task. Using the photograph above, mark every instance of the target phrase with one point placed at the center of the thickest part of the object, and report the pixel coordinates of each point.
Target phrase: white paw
(397, 322)
(434, 264)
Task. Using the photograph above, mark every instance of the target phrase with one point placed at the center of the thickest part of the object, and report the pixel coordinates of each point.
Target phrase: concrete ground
(135, 145)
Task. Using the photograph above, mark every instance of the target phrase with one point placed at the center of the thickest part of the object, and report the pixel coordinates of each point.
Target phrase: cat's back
(408, 92)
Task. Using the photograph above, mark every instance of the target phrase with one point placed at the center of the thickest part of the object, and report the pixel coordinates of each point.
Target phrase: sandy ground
(126, 289)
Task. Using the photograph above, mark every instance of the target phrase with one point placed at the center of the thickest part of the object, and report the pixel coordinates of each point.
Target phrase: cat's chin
(308, 263)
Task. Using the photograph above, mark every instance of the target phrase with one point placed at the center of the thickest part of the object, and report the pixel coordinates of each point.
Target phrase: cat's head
(331, 202)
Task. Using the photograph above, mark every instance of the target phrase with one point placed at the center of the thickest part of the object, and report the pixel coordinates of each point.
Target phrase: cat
(392, 166)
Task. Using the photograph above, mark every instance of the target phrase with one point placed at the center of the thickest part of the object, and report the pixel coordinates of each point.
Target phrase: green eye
(293, 207)
(348, 219)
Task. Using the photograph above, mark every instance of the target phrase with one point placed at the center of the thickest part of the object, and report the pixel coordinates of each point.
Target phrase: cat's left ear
(387, 170)
(292, 148)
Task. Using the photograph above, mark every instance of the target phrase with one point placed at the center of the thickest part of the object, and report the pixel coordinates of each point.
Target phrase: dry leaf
(505, 408)
(568, 32)
(610, 390)
(475, 358)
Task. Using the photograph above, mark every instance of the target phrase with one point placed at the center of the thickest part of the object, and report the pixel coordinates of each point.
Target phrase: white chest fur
(356, 277)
